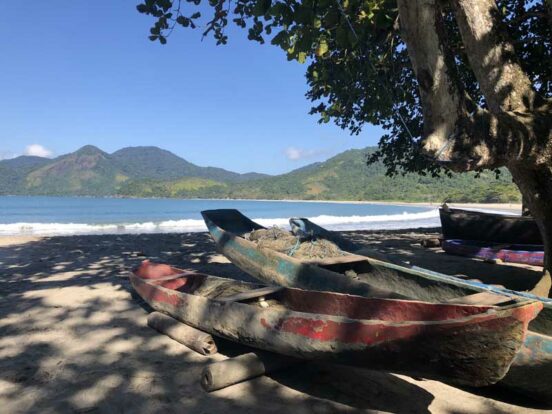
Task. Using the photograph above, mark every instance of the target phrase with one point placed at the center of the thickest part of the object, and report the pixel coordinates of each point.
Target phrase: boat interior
(378, 273)
(325, 303)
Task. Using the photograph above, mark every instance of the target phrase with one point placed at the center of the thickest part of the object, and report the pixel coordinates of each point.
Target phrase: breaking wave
(373, 222)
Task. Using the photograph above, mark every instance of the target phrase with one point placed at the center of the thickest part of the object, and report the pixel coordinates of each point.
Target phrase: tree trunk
(492, 57)
(536, 188)
(443, 101)
(507, 88)
(525, 212)
(515, 130)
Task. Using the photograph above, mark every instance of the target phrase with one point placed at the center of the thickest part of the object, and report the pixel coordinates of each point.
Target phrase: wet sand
(73, 337)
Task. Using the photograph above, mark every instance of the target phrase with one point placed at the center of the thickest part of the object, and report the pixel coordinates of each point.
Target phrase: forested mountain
(347, 177)
(154, 172)
(159, 164)
(91, 171)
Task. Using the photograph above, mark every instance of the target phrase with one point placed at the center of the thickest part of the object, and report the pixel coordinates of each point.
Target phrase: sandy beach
(73, 337)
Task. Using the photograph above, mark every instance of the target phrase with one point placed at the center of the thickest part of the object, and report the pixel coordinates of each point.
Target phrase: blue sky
(83, 72)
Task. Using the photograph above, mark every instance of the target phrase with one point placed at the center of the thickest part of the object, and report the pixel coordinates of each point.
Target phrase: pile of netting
(285, 242)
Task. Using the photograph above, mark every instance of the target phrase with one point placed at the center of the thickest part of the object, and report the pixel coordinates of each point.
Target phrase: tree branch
(504, 84)
(456, 131)
(490, 140)
(442, 101)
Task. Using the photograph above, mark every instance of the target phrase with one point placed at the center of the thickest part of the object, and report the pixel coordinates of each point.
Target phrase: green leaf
(322, 48)
(142, 8)
(183, 21)
(342, 37)
(281, 39)
(332, 18)
(261, 7)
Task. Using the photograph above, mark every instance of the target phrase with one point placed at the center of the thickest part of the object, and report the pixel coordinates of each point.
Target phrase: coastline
(498, 206)
(402, 216)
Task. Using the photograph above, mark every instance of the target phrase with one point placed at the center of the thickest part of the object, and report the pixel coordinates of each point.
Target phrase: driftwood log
(231, 371)
(193, 338)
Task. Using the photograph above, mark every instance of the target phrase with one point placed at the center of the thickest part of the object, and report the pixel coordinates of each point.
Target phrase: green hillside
(88, 171)
(158, 164)
(183, 187)
(135, 171)
(347, 177)
(153, 172)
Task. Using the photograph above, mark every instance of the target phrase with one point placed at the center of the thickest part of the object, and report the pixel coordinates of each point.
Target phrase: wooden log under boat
(227, 227)
(464, 344)
(244, 367)
(193, 338)
(488, 227)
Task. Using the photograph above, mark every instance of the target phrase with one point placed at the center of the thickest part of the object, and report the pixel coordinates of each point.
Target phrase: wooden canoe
(488, 227)
(227, 227)
(465, 344)
(530, 254)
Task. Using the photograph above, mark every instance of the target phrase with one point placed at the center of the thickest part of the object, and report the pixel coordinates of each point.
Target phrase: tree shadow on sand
(72, 339)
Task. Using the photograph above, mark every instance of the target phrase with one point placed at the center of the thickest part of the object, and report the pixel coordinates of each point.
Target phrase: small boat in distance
(464, 344)
(369, 276)
(488, 227)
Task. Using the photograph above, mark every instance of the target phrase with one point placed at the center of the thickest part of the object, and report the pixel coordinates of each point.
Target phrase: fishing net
(285, 242)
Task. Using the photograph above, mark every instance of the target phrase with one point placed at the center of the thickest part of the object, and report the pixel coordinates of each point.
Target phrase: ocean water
(88, 215)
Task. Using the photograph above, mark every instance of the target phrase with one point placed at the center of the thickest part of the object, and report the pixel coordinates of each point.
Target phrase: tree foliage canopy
(358, 69)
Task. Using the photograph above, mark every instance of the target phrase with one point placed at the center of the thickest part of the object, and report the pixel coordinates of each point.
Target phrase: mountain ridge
(150, 171)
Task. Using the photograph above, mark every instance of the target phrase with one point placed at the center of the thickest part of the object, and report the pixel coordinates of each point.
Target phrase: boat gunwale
(498, 311)
(414, 270)
(452, 210)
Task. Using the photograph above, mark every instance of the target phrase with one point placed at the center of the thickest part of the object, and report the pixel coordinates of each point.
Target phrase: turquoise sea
(88, 215)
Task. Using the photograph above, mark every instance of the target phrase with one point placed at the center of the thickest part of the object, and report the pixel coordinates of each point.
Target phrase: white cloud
(295, 154)
(38, 151)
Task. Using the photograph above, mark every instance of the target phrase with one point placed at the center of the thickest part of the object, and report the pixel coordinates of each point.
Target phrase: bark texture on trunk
(536, 188)
(515, 130)
(520, 120)
(492, 57)
(442, 101)
(457, 132)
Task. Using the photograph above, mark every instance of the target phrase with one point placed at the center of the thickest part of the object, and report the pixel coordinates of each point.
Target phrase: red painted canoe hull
(471, 345)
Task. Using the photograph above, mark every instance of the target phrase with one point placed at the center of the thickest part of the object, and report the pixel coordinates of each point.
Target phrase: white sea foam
(393, 221)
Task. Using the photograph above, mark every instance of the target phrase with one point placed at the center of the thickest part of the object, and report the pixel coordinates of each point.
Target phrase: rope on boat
(294, 249)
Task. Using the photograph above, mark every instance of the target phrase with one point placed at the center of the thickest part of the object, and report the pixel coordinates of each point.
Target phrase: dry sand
(73, 337)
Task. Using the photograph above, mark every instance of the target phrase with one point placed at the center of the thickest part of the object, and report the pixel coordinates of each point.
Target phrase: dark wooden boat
(488, 227)
(509, 253)
(465, 344)
(382, 278)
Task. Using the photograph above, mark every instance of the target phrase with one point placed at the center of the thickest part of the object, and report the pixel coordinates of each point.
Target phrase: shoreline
(506, 206)
(350, 222)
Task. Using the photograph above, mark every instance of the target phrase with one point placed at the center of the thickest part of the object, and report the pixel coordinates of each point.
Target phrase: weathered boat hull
(488, 227)
(470, 345)
(511, 253)
(421, 284)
